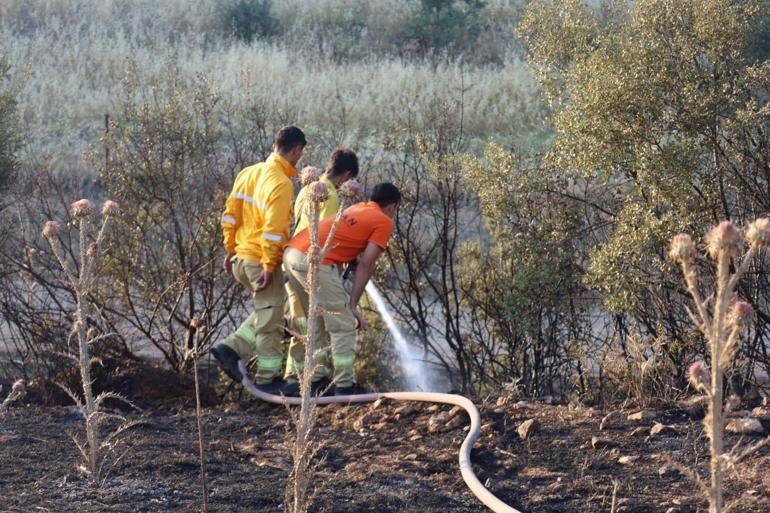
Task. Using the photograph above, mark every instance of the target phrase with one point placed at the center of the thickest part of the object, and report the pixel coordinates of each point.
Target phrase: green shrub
(249, 19)
(759, 39)
(524, 284)
(167, 169)
(9, 137)
(656, 109)
(446, 25)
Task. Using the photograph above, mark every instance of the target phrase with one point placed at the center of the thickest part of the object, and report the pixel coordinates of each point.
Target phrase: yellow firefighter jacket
(326, 209)
(257, 216)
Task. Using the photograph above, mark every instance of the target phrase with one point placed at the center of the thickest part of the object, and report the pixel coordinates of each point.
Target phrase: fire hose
(466, 468)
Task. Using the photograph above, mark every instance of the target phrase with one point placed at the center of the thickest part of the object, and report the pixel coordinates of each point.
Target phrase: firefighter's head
(289, 143)
(387, 196)
(342, 166)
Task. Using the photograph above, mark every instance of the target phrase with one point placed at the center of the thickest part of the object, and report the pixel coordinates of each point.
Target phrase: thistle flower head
(351, 189)
(699, 376)
(318, 191)
(758, 233)
(682, 248)
(723, 238)
(51, 230)
(82, 208)
(741, 314)
(308, 175)
(110, 208)
(19, 386)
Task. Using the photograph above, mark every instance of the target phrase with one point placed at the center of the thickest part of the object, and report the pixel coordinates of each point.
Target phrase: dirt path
(378, 458)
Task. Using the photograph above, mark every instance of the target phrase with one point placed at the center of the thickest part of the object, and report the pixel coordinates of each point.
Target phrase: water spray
(414, 368)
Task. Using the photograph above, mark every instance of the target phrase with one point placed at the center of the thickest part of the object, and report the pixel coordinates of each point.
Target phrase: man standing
(363, 233)
(342, 166)
(256, 225)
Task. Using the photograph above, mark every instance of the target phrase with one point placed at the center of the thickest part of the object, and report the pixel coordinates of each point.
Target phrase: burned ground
(385, 457)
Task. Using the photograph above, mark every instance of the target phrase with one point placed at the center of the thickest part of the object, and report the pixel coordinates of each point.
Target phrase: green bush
(168, 171)
(661, 126)
(249, 19)
(524, 284)
(446, 25)
(9, 137)
(759, 39)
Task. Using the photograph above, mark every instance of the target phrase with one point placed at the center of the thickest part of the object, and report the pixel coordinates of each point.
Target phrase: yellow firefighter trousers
(262, 331)
(335, 317)
(295, 360)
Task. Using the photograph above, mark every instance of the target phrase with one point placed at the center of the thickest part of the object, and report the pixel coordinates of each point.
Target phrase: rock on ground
(527, 428)
(745, 427)
(598, 442)
(643, 415)
(659, 428)
(612, 420)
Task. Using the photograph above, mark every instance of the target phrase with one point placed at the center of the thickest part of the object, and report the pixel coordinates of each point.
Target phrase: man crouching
(362, 234)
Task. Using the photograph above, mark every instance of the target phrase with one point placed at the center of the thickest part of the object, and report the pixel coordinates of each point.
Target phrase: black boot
(351, 390)
(228, 361)
(322, 387)
(275, 387)
(317, 388)
(291, 389)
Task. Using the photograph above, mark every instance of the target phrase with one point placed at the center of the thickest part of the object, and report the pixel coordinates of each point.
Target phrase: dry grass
(64, 94)
(642, 372)
(197, 327)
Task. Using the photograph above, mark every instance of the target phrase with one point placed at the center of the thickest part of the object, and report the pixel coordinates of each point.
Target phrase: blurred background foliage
(547, 151)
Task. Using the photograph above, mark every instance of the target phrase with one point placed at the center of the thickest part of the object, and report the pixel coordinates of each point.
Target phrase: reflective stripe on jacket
(257, 216)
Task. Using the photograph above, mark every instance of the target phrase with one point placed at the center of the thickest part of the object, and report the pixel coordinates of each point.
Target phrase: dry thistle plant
(197, 327)
(81, 276)
(304, 450)
(721, 318)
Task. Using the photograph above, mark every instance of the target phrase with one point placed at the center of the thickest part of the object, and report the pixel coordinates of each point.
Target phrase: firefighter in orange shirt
(363, 233)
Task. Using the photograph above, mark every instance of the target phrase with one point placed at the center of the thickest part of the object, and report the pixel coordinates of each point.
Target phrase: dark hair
(342, 159)
(385, 194)
(288, 138)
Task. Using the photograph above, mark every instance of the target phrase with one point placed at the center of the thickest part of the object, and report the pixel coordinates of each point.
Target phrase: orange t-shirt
(361, 224)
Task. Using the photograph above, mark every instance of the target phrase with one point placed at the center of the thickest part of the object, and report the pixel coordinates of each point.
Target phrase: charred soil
(382, 457)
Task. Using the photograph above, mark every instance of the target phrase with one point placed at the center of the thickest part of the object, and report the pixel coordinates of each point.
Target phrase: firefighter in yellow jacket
(256, 225)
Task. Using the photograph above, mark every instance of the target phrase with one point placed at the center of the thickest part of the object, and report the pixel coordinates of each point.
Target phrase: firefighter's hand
(227, 265)
(359, 317)
(264, 281)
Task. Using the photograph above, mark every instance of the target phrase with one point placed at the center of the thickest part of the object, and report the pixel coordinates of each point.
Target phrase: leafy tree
(249, 19)
(451, 25)
(523, 284)
(656, 104)
(759, 39)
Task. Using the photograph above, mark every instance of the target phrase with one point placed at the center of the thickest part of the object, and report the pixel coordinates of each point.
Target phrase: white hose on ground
(466, 468)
